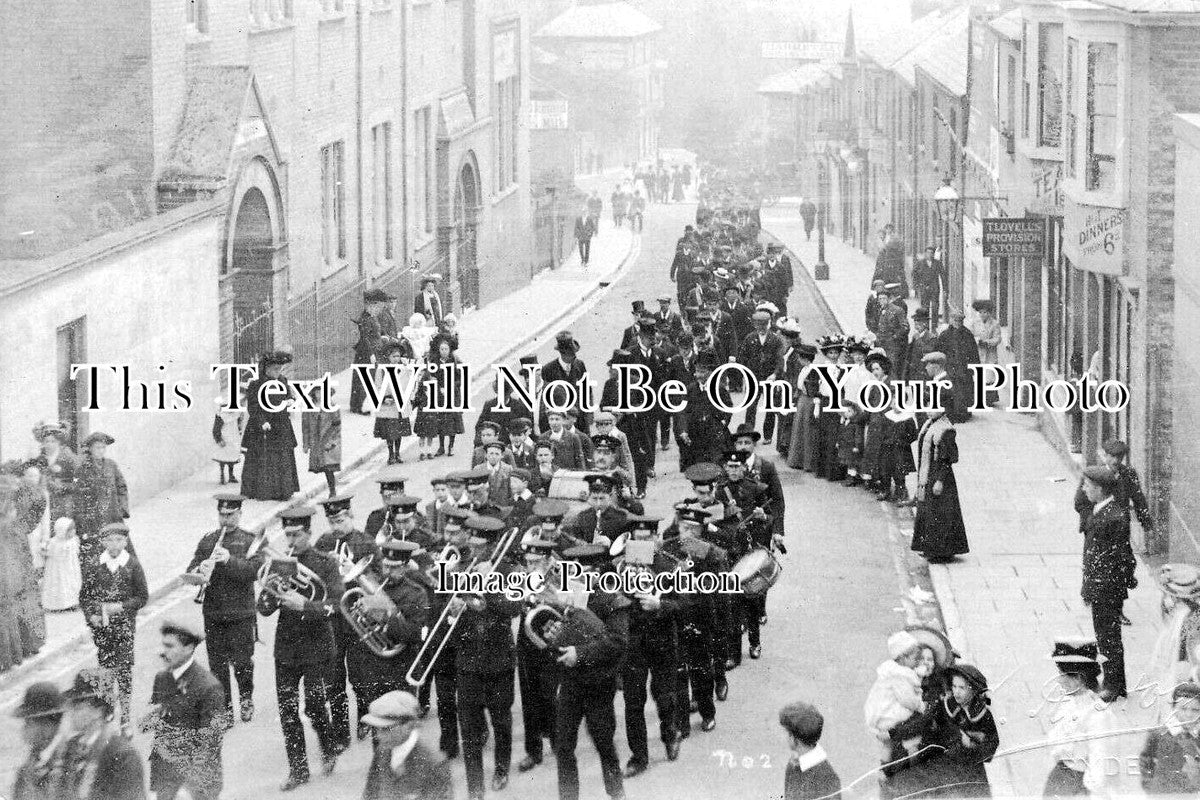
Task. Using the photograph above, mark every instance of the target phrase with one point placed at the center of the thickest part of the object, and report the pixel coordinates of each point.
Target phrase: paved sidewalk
(1018, 589)
(166, 527)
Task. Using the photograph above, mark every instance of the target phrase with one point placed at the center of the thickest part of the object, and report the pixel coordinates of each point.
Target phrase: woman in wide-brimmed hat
(58, 464)
(101, 495)
(1081, 724)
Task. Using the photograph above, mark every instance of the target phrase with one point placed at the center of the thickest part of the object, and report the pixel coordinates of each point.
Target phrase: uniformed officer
(444, 673)
(407, 522)
(747, 530)
(653, 653)
(399, 612)
(391, 481)
(606, 448)
(537, 670)
(478, 482)
(304, 645)
(228, 598)
(701, 624)
(602, 520)
(588, 684)
(485, 660)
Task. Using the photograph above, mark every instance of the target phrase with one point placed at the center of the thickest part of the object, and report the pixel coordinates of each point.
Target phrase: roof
(1154, 6)
(887, 49)
(602, 21)
(795, 80)
(942, 54)
(211, 115)
(1008, 25)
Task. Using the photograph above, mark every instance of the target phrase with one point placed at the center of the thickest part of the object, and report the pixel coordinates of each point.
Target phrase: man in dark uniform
(701, 624)
(748, 525)
(1108, 573)
(391, 481)
(398, 612)
(407, 522)
(602, 520)
(672, 320)
(187, 719)
(524, 449)
(304, 648)
(344, 544)
(759, 352)
(485, 661)
(537, 670)
(369, 338)
(645, 352)
(653, 653)
(444, 672)
(228, 597)
(703, 428)
(588, 685)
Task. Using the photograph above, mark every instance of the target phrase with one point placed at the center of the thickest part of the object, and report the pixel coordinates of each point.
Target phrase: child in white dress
(62, 579)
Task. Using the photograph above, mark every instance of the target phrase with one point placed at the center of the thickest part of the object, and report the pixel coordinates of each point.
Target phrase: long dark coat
(269, 472)
(706, 426)
(187, 741)
(938, 531)
(961, 349)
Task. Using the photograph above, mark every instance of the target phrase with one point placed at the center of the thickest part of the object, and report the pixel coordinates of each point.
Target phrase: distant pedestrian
(366, 349)
(1128, 494)
(637, 210)
(114, 590)
(677, 186)
(987, 331)
(101, 496)
(889, 263)
(1108, 572)
(41, 713)
(808, 214)
(931, 284)
(585, 229)
(595, 208)
(809, 775)
(619, 201)
(58, 464)
(321, 435)
(270, 440)
(22, 623)
(939, 533)
(432, 423)
(960, 348)
(428, 303)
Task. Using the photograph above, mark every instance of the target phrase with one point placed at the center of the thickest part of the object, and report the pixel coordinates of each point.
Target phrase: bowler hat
(42, 699)
(564, 342)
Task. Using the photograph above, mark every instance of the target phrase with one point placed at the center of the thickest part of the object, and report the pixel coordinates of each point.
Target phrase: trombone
(439, 635)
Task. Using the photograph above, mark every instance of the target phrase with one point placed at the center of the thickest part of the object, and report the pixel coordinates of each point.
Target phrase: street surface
(829, 616)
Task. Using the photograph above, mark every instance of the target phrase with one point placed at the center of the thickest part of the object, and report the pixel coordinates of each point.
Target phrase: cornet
(282, 574)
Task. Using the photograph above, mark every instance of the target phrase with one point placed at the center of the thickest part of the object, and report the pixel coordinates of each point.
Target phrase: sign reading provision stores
(1020, 237)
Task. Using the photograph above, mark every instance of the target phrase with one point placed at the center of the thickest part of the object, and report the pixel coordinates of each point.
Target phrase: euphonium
(277, 582)
(450, 555)
(370, 631)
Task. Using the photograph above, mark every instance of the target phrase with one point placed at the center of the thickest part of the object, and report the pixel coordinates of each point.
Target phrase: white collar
(114, 564)
(495, 467)
(178, 673)
(525, 495)
(566, 367)
(750, 459)
(811, 758)
(1102, 504)
(762, 337)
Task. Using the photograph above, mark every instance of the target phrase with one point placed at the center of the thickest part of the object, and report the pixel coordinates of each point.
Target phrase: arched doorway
(466, 222)
(254, 254)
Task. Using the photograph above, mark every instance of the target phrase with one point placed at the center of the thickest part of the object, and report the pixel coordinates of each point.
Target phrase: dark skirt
(438, 423)
(938, 530)
(392, 428)
(270, 474)
(800, 449)
(1064, 782)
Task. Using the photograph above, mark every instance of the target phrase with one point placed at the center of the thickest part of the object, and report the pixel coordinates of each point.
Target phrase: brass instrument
(576, 625)
(282, 573)
(450, 554)
(439, 635)
(204, 570)
(371, 632)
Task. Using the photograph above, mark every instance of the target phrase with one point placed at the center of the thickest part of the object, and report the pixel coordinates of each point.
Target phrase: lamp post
(948, 203)
(821, 269)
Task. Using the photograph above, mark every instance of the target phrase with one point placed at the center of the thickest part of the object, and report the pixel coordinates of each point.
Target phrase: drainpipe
(358, 130)
(405, 256)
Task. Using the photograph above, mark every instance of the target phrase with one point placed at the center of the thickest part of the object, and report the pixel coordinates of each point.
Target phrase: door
(72, 392)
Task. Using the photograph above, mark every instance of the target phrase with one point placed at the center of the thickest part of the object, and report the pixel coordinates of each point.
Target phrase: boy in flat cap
(809, 775)
(499, 473)
(487, 432)
(114, 590)
(403, 764)
(101, 496)
(228, 601)
(187, 719)
(1108, 573)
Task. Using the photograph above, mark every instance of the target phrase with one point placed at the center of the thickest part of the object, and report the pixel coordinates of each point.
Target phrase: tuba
(371, 632)
(439, 635)
(282, 573)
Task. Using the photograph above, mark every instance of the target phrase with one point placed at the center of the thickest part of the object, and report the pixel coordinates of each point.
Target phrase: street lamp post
(947, 200)
(821, 269)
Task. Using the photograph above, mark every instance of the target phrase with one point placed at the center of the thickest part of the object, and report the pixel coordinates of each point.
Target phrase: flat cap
(802, 720)
(488, 425)
(1103, 477)
(936, 357)
(391, 710)
(115, 528)
(520, 473)
(187, 631)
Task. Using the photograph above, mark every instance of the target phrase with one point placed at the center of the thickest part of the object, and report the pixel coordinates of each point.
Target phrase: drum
(568, 484)
(758, 571)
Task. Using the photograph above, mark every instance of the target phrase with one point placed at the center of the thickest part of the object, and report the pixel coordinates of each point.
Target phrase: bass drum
(758, 571)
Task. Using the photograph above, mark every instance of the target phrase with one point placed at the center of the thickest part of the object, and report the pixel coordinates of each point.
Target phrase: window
(507, 106)
(1072, 121)
(1010, 108)
(333, 202)
(381, 197)
(1101, 161)
(197, 15)
(270, 13)
(421, 182)
(1025, 80)
(333, 7)
(1050, 59)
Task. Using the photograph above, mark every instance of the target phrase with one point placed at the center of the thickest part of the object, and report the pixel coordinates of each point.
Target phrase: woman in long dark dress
(442, 425)
(22, 623)
(269, 472)
(938, 531)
